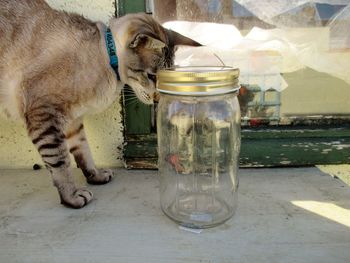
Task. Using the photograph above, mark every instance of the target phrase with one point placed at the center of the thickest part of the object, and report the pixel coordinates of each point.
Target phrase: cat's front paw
(100, 176)
(77, 199)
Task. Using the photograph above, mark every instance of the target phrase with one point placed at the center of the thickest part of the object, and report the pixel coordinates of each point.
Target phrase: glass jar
(198, 125)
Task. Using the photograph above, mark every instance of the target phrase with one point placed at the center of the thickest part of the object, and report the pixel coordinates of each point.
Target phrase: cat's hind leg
(79, 147)
(45, 124)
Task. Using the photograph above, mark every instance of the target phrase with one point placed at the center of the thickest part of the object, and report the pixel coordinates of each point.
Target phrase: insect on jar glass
(198, 126)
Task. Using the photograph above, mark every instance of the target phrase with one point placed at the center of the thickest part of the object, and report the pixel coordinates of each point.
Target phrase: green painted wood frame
(288, 146)
(137, 116)
(303, 142)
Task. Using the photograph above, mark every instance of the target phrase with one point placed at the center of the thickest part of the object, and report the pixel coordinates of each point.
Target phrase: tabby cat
(55, 67)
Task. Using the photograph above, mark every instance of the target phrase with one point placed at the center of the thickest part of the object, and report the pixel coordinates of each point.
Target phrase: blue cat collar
(112, 51)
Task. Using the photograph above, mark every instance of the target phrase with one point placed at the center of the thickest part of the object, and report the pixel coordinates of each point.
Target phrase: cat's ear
(146, 41)
(176, 39)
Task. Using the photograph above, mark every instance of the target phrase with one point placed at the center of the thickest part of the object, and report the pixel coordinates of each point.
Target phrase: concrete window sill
(289, 215)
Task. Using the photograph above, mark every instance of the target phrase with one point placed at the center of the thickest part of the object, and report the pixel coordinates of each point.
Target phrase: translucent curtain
(267, 36)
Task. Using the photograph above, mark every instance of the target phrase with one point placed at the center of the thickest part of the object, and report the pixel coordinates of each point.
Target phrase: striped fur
(54, 68)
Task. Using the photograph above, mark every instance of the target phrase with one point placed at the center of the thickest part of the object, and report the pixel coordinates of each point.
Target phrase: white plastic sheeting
(339, 29)
(333, 14)
(224, 45)
(283, 13)
(265, 53)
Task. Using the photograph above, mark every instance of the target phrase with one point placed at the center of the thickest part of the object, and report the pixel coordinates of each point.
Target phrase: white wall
(97, 10)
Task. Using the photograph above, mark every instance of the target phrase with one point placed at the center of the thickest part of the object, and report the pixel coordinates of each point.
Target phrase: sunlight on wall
(100, 10)
(326, 210)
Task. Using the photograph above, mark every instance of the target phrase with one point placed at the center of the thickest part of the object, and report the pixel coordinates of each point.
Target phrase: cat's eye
(152, 77)
(137, 70)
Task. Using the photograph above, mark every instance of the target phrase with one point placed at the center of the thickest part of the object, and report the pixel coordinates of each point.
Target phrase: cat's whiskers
(129, 93)
(130, 96)
(131, 103)
(130, 100)
(127, 88)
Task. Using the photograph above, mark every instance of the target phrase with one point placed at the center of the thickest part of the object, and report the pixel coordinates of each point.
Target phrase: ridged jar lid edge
(197, 79)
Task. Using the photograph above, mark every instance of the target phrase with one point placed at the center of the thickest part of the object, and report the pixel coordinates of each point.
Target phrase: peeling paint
(342, 146)
(326, 151)
(285, 162)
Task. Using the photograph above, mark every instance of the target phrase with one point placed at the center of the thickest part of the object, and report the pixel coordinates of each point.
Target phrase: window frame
(303, 141)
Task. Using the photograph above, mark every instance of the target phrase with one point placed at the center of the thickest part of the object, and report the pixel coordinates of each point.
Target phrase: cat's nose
(156, 96)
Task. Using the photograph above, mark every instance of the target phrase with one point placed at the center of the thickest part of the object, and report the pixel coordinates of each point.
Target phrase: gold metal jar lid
(198, 80)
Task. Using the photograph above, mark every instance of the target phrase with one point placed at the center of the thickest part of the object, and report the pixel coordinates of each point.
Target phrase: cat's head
(144, 47)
